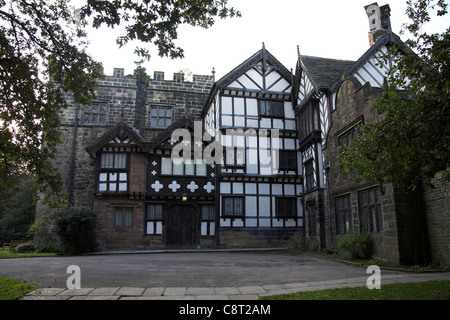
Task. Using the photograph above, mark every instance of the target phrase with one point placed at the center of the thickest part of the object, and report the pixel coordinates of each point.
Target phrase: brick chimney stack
(379, 21)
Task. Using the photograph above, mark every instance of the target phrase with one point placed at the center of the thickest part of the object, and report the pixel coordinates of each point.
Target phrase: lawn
(432, 290)
(11, 289)
(7, 254)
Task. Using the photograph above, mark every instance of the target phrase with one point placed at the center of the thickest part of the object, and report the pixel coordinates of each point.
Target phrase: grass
(7, 254)
(11, 289)
(432, 290)
(381, 263)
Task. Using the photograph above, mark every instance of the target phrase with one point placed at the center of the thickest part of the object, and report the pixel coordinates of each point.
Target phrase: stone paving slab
(130, 291)
(216, 293)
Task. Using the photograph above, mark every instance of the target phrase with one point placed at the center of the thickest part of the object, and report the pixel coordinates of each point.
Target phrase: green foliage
(44, 239)
(409, 139)
(43, 53)
(25, 248)
(358, 245)
(17, 208)
(76, 228)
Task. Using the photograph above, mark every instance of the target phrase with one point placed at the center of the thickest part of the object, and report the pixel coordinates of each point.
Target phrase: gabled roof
(121, 130)
(166, 134)
(388, 39)
(262, 56)
(324, 72)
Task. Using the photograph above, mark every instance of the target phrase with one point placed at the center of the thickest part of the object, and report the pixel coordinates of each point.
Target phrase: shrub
(76, 227)
(25, 248)
(358, 245)
(43, 236)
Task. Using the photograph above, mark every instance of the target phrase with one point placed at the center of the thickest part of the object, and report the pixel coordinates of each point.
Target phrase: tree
(76, 228)
(17, 208)
(409, 142)
(43, 53)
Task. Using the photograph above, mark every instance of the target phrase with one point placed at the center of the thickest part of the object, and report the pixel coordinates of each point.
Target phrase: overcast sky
(324, 28)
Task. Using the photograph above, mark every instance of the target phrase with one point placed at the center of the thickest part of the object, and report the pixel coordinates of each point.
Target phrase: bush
(358, 245)
(43, 236)
(76, 228)
(25, 248)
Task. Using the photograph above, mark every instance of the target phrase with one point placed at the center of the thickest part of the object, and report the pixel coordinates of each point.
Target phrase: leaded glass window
(113, 175)
(370, 210)
(94, 114)
(271, 108)
(233, 206)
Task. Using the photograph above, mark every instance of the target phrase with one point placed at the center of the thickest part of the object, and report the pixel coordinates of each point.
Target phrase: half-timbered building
(250, 113)
(250, 160)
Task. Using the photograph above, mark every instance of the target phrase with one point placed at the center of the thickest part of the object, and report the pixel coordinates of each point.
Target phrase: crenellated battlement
(199, 84)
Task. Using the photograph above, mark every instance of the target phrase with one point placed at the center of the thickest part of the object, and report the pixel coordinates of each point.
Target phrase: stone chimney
(379, 21)
(141, 103)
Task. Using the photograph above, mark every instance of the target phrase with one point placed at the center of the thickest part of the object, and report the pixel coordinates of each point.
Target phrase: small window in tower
(161, 116)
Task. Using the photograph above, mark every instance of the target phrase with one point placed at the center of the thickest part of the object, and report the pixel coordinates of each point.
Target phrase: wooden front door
(182, 226)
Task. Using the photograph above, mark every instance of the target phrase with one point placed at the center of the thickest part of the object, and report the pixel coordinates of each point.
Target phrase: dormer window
(113, 172)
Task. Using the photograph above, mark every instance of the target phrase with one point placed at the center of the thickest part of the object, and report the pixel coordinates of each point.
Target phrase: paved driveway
(197, 269)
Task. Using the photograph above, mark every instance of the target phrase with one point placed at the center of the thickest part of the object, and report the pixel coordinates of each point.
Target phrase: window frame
(158, 117)
(154, 220)
(233, 215)
(343, 214)
(208, 220)
(283, 163)
(88, 110)
(279, 202)
(309, 175)
(267, 109)
(235, 164)
(109, 171)
(371, 212)
(124, 211)
(195, 166)
(309, 121)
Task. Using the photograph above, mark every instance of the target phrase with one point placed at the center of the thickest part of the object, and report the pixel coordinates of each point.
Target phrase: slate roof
(324, 72)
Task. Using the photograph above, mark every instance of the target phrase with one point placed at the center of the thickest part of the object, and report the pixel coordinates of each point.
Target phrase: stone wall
(353, 106)
(416, 224)
(259, 237)
(118, 94)
(437, 207)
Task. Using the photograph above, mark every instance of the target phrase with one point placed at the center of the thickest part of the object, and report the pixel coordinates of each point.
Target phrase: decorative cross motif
(154, 163)
(213, 174)
(192, 186)
(208, 187)
(174, 186)
(153, 172)
(157, 186)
